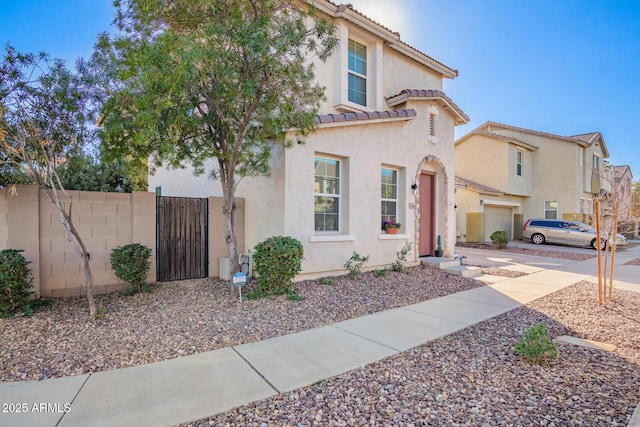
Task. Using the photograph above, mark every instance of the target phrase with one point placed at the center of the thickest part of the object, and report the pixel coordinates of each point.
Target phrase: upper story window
(596, 167)
(389, 195)
(519, 156)
(357, 74)
(326, 194)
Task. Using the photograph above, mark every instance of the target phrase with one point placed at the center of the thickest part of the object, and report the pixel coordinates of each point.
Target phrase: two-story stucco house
(507, 174)
(622, 186)
(383, 151)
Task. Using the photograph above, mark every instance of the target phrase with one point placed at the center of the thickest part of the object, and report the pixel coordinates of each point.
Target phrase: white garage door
(495, 219)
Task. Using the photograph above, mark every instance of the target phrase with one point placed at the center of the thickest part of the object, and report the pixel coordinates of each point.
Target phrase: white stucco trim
(385, 236)
(499, 203)
(332, 238)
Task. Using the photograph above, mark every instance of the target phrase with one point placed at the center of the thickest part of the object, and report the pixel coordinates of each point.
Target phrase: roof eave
(459, 117)
(391, 38)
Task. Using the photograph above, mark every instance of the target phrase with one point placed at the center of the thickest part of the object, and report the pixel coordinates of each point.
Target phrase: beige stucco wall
(484, 160)
(104, 220)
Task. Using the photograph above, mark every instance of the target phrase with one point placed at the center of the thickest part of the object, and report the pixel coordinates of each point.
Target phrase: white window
(596, 167)
(551, 209)
(357, 74)
(519, 155)
(326, 194)
(389, 195)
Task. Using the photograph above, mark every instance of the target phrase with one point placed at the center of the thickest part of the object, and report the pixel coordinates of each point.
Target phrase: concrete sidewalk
(194, 387)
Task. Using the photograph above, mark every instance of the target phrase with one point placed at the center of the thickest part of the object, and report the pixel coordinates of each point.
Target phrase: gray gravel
(474, 378)
(182, 318)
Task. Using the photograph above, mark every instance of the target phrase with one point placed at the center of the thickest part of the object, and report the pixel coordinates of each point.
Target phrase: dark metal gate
(181, 238)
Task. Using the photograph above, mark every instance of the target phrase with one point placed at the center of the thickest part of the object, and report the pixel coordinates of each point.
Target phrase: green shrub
(15, 282)
(381, 273)
(131, 264)
(354, 265)
(500, 239)
(401, 258)
(536, 346)
(326, 281)
(277, 260)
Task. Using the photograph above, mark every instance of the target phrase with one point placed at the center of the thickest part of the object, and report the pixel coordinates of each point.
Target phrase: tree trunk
(76, 242)
(229, 213)
(89, 285)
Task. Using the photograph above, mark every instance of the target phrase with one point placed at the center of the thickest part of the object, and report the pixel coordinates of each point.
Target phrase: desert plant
(277, 260)
(354, 265)
(381, 273)
(536, 346)
(500, 239)
(131, 264)
(326, 281)
(15, 282)
(401, 258)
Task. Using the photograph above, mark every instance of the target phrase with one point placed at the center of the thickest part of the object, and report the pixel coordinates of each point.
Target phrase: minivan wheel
(603, 244)
(537, 238)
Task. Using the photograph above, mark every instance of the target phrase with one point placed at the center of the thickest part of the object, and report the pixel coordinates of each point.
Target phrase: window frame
(519, 163)
(395, 173)
(356, 74)
(596, 167)
(551, 209)
(337, 196)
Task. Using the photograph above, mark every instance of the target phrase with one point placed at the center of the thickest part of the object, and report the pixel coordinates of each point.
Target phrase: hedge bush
(15, 282)
(131, 264)
(500, 239)
(277, 260)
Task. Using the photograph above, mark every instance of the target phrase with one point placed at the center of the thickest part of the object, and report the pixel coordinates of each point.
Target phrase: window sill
(351, 107)
(386, 236)
(332, 238)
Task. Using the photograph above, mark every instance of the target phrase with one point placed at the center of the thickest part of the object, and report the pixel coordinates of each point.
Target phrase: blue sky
(558, 66)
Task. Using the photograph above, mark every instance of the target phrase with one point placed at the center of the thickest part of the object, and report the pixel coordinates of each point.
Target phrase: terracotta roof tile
(586, 137)
(363, 116)
(477, 187)
(430, 94)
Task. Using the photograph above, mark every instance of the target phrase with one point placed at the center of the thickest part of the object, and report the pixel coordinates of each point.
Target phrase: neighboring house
(383, 151)
(506, 174)
(622, 188)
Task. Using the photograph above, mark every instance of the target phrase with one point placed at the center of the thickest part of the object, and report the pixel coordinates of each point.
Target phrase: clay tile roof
(472, 185)
(364, 116)
(586, 137)
(428, 94)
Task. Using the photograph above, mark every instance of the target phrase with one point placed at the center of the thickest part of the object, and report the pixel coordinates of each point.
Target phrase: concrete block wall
(29, 221)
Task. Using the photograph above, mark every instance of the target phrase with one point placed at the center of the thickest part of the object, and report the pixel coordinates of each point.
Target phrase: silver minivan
(565, 232)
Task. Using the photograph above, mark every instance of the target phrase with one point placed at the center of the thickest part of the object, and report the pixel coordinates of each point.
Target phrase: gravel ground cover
(633, 262)
(474, 377)
(182, 318)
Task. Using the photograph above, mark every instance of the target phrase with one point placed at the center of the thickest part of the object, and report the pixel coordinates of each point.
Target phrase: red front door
(427, 211)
